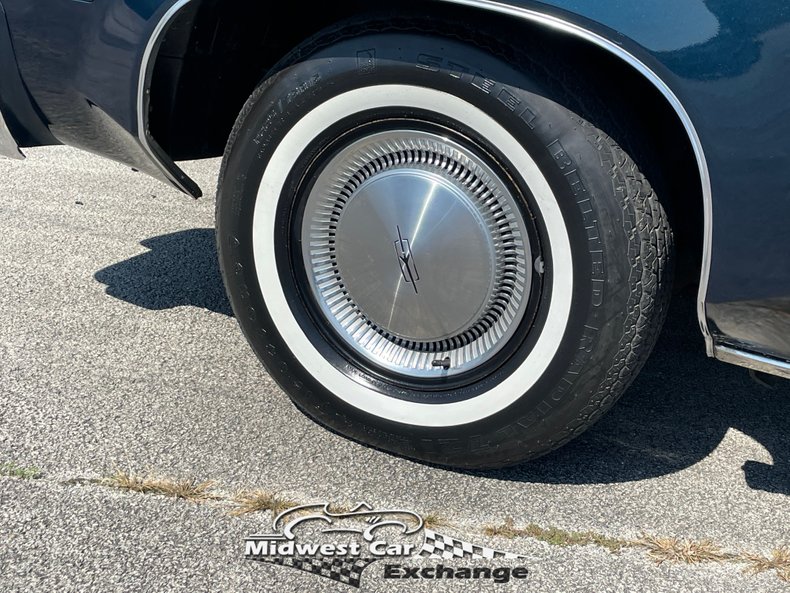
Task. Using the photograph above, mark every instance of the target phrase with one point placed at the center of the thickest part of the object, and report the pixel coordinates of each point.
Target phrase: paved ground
(118, 350)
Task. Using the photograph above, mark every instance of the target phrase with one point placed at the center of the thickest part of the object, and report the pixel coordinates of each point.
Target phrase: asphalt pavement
(118, 351)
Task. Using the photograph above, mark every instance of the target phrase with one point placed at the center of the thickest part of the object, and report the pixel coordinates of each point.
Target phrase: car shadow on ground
(179, 269)
(675, 414)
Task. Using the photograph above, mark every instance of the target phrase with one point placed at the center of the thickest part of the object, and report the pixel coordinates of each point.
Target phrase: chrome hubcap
(416, 253)
(440, 241)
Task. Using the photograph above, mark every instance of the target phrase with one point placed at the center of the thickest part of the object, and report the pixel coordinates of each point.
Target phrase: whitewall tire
(431, 249)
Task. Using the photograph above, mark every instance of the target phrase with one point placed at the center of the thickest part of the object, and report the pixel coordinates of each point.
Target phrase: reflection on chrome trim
(559, 24)
(8, 146)
(756, 362)
(142, 90)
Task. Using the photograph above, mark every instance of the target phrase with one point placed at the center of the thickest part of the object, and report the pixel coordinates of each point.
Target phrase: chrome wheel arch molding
(167, 167)
(530, 15)
(562, 25)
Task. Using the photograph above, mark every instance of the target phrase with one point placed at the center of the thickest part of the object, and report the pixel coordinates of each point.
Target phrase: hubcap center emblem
(408, 268)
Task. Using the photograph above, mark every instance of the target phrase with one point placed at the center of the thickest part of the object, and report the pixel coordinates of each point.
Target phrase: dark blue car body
(77, 72)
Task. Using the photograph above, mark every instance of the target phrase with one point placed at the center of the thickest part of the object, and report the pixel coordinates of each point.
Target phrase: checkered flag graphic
(438, 546)
(344, 570)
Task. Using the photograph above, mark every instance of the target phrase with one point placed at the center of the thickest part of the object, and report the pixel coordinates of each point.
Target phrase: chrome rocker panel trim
(755, 362)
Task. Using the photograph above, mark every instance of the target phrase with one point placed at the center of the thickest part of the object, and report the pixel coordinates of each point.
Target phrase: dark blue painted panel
(80, 62)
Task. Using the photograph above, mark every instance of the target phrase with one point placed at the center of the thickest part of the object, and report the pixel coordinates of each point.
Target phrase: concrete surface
(118, 350)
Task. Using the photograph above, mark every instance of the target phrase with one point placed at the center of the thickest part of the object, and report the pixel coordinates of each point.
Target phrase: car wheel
(432, 250)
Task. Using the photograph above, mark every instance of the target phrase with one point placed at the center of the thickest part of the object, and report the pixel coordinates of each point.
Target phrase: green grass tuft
(12, 470)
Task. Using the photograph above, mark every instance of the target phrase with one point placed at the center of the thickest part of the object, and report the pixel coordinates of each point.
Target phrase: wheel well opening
(214, 53)
(212, 56)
